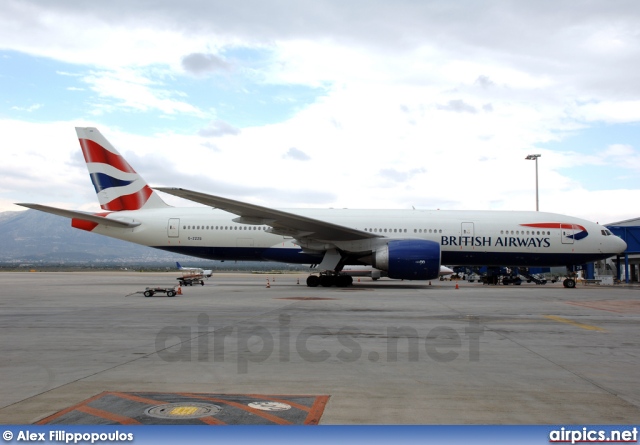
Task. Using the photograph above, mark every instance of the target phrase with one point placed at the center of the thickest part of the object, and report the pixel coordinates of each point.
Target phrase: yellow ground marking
(574, 323)
(184, 410)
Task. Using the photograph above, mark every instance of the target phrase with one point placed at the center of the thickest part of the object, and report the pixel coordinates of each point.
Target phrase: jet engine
(408, 259)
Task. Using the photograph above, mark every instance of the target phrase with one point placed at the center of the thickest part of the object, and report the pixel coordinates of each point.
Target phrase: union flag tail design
(117, 184)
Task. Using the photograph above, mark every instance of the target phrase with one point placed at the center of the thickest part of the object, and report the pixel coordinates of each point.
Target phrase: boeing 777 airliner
(406, 244)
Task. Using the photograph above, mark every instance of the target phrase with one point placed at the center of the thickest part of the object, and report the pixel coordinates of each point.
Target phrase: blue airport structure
(631, 235)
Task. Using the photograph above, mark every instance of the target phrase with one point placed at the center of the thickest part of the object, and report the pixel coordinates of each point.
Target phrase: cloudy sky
(329, 103)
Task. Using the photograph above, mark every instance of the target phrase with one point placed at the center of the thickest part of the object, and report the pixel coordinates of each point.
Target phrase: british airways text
(487, 241)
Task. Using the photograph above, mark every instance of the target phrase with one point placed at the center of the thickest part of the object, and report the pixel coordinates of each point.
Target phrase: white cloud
(132, 89)
(41, 165)
(28, 109)
(296, 155)
(622, 156)
(218, 128)
(618, 111)
(200, 64)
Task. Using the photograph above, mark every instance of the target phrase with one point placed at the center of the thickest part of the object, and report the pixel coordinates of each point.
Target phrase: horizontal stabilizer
(85, 216)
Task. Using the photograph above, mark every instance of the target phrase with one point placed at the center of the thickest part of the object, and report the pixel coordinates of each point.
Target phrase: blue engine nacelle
(409, 259)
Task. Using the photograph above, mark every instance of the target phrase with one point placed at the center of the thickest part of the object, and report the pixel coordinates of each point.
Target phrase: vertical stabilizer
(117, 184)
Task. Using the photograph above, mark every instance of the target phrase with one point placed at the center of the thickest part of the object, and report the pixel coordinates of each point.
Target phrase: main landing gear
(328, 279)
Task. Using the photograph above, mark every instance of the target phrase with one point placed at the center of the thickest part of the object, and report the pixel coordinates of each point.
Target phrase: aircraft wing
(283, 223)
(82, 215)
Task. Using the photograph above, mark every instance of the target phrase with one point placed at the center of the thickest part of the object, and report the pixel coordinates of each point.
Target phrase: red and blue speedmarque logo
(576, 231)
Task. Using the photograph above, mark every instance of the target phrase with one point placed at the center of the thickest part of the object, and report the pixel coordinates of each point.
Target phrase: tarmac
(89, 348)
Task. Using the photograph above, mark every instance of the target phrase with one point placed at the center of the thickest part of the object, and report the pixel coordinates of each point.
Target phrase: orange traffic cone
(268, 284)
(179, 290)
(457, 286)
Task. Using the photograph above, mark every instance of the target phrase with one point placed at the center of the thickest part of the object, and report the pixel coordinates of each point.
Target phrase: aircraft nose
(618, 244)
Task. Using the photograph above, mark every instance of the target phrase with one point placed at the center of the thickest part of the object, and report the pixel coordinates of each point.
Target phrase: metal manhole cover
(186, 410)
(270, 406)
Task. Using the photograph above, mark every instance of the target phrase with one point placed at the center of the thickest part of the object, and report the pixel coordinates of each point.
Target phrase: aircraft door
(244, 242)
(566, 233)
(466, 229)
(173, 229)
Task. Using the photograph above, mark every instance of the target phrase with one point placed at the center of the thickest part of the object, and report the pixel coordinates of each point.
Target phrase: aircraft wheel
(202, 283)
(344, 280)
(313, 281)
(326, 281)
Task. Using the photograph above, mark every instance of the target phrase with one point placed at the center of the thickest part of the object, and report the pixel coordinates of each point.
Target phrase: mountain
(33, 236)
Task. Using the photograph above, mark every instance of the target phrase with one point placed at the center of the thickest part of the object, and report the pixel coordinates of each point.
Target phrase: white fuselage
(513, 238)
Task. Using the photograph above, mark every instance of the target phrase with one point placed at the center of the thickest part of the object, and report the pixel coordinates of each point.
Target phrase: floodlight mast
(532, 158)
